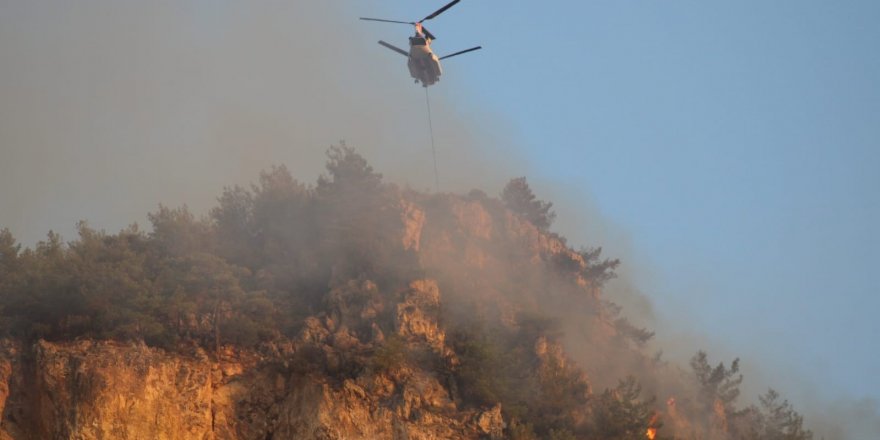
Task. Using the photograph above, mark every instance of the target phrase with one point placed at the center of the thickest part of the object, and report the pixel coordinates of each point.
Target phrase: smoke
(677, 338)
(109, 108)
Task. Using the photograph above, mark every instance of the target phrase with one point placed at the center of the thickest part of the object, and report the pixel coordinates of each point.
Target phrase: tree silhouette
(519, 198)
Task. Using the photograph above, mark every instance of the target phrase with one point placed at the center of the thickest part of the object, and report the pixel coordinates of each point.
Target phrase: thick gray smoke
(108, 108)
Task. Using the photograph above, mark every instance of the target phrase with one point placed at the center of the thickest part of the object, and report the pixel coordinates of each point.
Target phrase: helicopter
(423, 63)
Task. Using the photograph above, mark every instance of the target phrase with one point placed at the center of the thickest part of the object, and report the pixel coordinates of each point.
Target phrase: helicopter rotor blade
(394, 48)
(440, 11)
(387, 21)
(461, 52)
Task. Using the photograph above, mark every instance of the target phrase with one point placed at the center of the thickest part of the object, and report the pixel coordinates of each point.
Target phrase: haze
(108, 108)
(732, 149)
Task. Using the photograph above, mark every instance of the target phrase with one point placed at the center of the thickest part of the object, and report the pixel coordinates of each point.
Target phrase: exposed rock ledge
(107, 390)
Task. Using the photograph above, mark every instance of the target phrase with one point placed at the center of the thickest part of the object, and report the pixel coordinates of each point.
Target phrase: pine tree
(519, 198)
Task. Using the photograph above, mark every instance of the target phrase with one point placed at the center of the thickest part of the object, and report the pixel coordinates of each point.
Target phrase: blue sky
(736, 143)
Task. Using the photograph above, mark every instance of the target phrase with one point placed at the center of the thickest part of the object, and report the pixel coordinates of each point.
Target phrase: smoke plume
(109, 108)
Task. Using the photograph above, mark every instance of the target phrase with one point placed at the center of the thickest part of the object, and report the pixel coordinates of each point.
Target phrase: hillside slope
(351, 309)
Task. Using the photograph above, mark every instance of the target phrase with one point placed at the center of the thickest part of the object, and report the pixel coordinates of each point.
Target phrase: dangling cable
(433, 151)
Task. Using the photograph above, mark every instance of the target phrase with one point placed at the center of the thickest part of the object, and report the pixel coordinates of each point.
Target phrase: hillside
(349, 309)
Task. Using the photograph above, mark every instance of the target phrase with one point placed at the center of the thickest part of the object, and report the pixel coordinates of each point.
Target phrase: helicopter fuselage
(424, 65)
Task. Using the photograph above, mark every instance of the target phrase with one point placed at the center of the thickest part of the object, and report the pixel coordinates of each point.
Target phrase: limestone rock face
(5, 375)
(5, 372)
(417, 314)
(88, 390)
(102, 390)
(413, 221)
(491, 423)
(473, 218)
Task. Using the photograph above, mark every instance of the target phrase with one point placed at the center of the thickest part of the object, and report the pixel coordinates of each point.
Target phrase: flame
(652, 431)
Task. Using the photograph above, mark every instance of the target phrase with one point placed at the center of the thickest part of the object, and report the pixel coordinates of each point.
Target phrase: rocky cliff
(111, 390)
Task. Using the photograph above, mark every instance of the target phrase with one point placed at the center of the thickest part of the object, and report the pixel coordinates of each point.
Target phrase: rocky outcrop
(5, 376)
(104, 390)
(413, 219)
(473, 219)
(422, 411)
(107, 390)
(417, 314)
(88, 390)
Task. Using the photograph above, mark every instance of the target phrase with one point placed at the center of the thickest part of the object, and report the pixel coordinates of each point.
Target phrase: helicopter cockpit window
(417, 41)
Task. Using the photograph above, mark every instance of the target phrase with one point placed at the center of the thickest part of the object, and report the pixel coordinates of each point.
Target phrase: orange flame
(652, 431)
